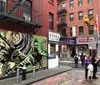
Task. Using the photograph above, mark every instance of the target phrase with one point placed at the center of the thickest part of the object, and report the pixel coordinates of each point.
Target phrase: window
(71, 3)
(63, 5)
(51, 18)
(64, 32)
(90, 13)
(81, 30)
(52, 51)
(80, 15)
(91, 30)
(80, 2)
(90, 1)
(2, 5)
(63, 18)
(71, 32)
(72, 17)
(27, 10)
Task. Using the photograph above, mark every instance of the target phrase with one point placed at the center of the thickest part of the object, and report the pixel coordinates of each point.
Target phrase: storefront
(68, 47)
(53, 45)
(85, 45)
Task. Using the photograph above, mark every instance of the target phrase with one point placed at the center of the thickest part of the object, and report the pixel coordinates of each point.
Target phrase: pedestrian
(76, 60)
(82, 57)
(95, 63)
(90, 71)
(87, 61)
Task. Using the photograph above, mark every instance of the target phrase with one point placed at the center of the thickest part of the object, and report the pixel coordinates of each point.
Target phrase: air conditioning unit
(27, 17)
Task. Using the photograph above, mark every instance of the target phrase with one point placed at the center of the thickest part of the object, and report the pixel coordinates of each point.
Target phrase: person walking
(95, 63)
(82, 57)
(76, 60)
(87, 61)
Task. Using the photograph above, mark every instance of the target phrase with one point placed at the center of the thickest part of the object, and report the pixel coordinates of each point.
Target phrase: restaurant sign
(86, 40)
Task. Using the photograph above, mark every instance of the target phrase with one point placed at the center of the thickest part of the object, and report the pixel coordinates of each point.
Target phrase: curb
(42, 78)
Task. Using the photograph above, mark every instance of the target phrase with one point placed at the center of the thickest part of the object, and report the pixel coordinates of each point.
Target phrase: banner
(96, 25)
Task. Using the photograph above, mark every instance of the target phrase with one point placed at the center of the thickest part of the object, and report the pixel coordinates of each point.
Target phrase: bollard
(24, 73)
(18, 75)
(34, 73)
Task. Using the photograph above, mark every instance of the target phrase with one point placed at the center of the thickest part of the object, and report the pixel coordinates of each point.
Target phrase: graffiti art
(19, 49)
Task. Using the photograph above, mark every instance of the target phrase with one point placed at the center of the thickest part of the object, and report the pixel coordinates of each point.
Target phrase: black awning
(9, 18)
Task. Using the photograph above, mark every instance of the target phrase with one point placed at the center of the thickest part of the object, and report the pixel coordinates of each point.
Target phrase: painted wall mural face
(19, 49)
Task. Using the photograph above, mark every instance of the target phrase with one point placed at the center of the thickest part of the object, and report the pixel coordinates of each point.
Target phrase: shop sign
(54, 36)
(86, 40)
(69, 41)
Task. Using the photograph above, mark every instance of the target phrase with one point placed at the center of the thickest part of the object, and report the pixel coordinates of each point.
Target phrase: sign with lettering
(53, 36)
(86, 40)
(69, 41)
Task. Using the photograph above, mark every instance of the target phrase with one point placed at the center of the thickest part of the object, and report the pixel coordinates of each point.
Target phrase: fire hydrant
(24, 73)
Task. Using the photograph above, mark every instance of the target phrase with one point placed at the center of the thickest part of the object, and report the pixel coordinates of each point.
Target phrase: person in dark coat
(82, 57)
(95, 63)
(76, 61)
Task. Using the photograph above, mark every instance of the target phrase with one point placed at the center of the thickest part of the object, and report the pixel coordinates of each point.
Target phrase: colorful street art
(73, 77)
(19, 49)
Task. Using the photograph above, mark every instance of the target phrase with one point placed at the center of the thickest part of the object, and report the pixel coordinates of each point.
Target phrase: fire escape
(10, 17)
(62, 25)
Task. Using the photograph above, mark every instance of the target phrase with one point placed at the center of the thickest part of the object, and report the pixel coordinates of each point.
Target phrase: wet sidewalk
(39, 76)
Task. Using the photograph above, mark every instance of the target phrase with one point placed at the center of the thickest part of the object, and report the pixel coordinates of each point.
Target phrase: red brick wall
(43, 20)
(75, 10)
(48, 7)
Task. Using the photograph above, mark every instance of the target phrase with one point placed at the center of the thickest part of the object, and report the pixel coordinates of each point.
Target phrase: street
(73, 77)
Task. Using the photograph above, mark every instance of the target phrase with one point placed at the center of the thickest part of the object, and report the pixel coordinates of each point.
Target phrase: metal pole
(98, 36)
(34, 73)
(98, 46)
(18, 75)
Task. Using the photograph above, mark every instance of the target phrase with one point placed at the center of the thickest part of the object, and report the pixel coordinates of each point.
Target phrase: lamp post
(98, 54)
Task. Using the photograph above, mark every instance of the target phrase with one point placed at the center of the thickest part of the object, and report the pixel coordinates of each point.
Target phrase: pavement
(72, 77)
(39, 75)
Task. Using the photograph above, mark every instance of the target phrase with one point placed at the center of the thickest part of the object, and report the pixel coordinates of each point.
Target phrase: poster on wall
(19, 49)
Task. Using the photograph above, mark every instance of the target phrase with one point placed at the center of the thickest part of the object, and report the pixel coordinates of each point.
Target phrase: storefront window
(64, 48)
(52, 50)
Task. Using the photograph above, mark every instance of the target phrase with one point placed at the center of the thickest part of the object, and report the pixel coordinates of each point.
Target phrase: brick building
(23, 23)
(76, 27)
(28, 15)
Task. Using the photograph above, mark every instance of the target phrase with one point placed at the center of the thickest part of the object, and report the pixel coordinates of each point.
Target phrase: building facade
(20, 22)
(84, 33)
(35, 11)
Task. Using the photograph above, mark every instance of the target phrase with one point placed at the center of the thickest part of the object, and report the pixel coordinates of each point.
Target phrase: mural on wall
(19, 49)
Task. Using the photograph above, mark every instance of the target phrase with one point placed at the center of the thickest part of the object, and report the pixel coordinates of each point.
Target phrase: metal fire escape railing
(19, 3)
(15, 8)
(61, 22)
